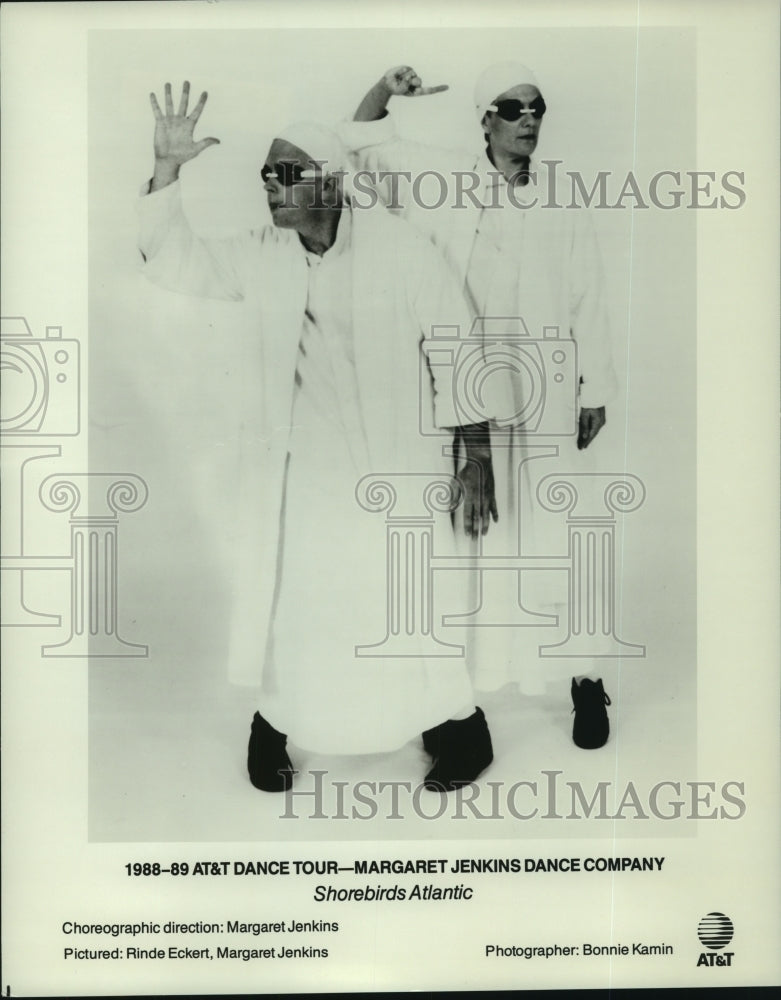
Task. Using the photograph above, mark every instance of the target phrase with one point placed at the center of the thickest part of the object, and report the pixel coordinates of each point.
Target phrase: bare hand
(403, 81)
(592, 420)
(174, 143)
(479, 496)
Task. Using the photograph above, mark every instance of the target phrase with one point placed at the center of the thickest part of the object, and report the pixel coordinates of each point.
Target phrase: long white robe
(330, 588)
(515, 260)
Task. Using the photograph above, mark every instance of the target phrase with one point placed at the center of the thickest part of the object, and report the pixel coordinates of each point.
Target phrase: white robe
(400, 289)
(557, 273)
(535, 263)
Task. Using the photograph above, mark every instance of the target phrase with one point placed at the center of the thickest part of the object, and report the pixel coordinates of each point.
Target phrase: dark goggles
(511, 110)
(287, 173)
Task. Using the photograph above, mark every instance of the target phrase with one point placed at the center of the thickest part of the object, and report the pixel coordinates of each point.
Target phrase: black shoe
(591, 727)
(270, 768)
(464, 750)
(431, 741)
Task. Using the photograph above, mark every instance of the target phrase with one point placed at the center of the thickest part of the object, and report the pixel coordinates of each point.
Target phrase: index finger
(424, 91)
(471, 519)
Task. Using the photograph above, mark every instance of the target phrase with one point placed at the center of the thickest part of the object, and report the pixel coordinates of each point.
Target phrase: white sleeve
(445, 324)
(176, 259)
(378, 153)
(358, 136)
(589, 321)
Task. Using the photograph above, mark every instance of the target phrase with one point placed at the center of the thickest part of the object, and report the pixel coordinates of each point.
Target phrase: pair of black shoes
(461, 749)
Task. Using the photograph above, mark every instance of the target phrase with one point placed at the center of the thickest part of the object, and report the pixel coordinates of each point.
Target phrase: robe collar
(340, 245)
(492, 178)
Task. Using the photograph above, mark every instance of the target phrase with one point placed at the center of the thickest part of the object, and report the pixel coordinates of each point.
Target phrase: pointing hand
(403, 81)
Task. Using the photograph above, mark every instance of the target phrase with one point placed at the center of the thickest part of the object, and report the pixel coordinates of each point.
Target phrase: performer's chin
(281, 217)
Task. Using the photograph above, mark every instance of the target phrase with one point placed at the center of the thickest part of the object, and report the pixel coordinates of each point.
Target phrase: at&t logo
(715, 932)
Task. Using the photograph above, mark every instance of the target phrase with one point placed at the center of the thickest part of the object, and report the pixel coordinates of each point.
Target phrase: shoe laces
(596, 698)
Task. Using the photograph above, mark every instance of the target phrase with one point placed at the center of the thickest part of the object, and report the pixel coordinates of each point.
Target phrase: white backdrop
(169, 377)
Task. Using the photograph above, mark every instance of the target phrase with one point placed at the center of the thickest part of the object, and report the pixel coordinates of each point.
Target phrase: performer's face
(292, 198)
(519, 137)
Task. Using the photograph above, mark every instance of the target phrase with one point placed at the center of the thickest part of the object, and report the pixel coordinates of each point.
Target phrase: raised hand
(403, 81)
(174, 143)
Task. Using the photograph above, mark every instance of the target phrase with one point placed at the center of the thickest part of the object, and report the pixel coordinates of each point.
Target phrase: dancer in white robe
(514, 258)
(345, 303)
